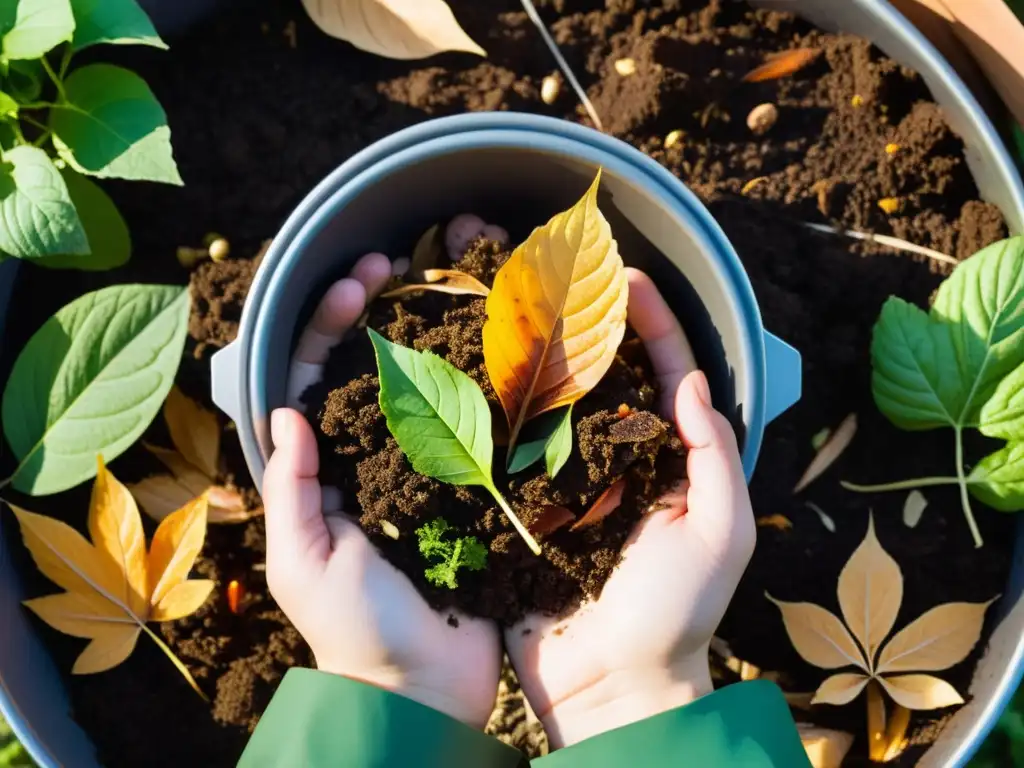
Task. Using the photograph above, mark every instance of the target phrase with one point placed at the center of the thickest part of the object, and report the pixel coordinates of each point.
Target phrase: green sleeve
(317, 719)
(747, 724)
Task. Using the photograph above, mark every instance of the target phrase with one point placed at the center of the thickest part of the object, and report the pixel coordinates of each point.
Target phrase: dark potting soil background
(262, 106)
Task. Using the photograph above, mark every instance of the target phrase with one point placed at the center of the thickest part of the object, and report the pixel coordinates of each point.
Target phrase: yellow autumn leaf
(818, 636)
(113, 586)
(194, 430)
(840, 689)
(936, 640)
(920, 691)
(870, 593)
(451, 281)
(397, 29)
(556, 314)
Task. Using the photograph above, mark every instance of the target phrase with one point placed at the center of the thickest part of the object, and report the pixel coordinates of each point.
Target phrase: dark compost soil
(262, 106)
(615, 438)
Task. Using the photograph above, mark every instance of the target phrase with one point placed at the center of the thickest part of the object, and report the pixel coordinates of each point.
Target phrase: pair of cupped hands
(639, 649)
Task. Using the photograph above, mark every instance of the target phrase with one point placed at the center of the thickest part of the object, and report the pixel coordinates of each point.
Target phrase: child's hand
(362, 617)
(642, 647)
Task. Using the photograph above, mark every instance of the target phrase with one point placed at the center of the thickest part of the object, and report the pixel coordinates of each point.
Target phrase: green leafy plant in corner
(440, 419)
(961, 365)
(465, 552)
(550, 438)
(59, 126)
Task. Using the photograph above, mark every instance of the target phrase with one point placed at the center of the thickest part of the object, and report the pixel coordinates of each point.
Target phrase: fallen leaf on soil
(913, 508)
(426, 252)
(825, 747)
(556, 314)
(826, 456)
(193, 466)
(550, 519)
(605, 504)
(112, 586)
(870, 592)
(397, 29)
(779, 522)
(455, 282)
(782, 64)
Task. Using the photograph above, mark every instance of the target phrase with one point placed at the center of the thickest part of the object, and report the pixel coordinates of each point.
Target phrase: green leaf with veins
(116, 22)
(998, 479)
(465, 552)
(112, 126)
(440, 419)
(549, 436)
(37, 216)
(30, 28)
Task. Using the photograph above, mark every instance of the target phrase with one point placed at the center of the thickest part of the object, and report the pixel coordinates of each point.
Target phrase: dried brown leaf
(782, 65)
(818, 636)
(936, 640)
(550, 519)
(833, 448)
(605, 504)
(454, 282)
(870, 593)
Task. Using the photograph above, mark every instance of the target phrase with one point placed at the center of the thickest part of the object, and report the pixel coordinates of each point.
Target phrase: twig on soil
(886, 240)
(531, 11)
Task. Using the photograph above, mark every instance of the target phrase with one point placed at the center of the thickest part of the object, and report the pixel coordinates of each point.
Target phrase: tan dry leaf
(920, 691)
(818, 636)
(870, 593)
(825, 747)
(840, 689)
(913, 508)
(455, 283)
(113, 587)
(426, 252)
(936, 640)
(396, 29)
(782, 65)
(194, 431)
(556, 314)
(603, 506)
(833, 448)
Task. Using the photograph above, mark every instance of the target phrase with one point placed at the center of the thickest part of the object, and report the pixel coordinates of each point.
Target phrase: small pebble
(625, 67)
(400, 266)
(549, 89)
(892, 149)
(462, 230)
(390, 529)
(494, 232)
(762, 118)
(673, 138)
(219, 249)
(890, 205)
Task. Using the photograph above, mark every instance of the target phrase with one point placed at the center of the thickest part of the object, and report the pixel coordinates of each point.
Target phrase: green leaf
(915, 379)
(30, 28)
(1003, 414)
(110, 243)
(90, 381)
(118, 22)
(24, 80)
(8, 106)
(113, 127)
(998, 479)
(8, 140)
(549, 436)
(37, 216)
(437, 414)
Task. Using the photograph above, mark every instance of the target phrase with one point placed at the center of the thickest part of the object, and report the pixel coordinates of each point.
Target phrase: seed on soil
(778, 522)
(857, 101)
(549, 89)
(754, 182)
(219, 249)
(390, 529)
(890, 205)
(189, 257)
(673, 138)
(891, 148)
(235, 593)
(625, 67)
(913, 508)
(833, 448)
(623, 411)
(762, 118)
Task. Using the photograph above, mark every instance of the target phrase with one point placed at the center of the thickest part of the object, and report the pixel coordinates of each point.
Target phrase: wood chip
(833, 448)
(605, 504)
(913, 508)
(782, 65)
(890, 205)
(549, 89)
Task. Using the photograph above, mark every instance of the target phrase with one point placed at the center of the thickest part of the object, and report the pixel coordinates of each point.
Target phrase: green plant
(12, 754)
(549, 437)
(961, 365)
(465, 552)
(59, 126)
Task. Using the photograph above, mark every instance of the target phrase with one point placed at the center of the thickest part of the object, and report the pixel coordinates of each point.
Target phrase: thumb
(297, 537)
(717, 500)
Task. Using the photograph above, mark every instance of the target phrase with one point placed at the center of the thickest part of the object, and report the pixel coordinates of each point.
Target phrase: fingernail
(700, 383)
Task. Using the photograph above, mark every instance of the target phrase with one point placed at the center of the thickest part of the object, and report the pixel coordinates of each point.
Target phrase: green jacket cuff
(747, 724)
(317, 719)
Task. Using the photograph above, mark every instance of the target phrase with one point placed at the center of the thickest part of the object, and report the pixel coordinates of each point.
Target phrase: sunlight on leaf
(920, 692)
(840, 689)
(818, 636)
(450, 281)
(936, 640)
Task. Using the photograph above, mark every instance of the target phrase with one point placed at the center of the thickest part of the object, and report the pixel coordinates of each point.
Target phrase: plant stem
(965, 500)
(65, 61)
(57, 82)
(900, 485)
(876, 721)
(530, 541)
(174, 659)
